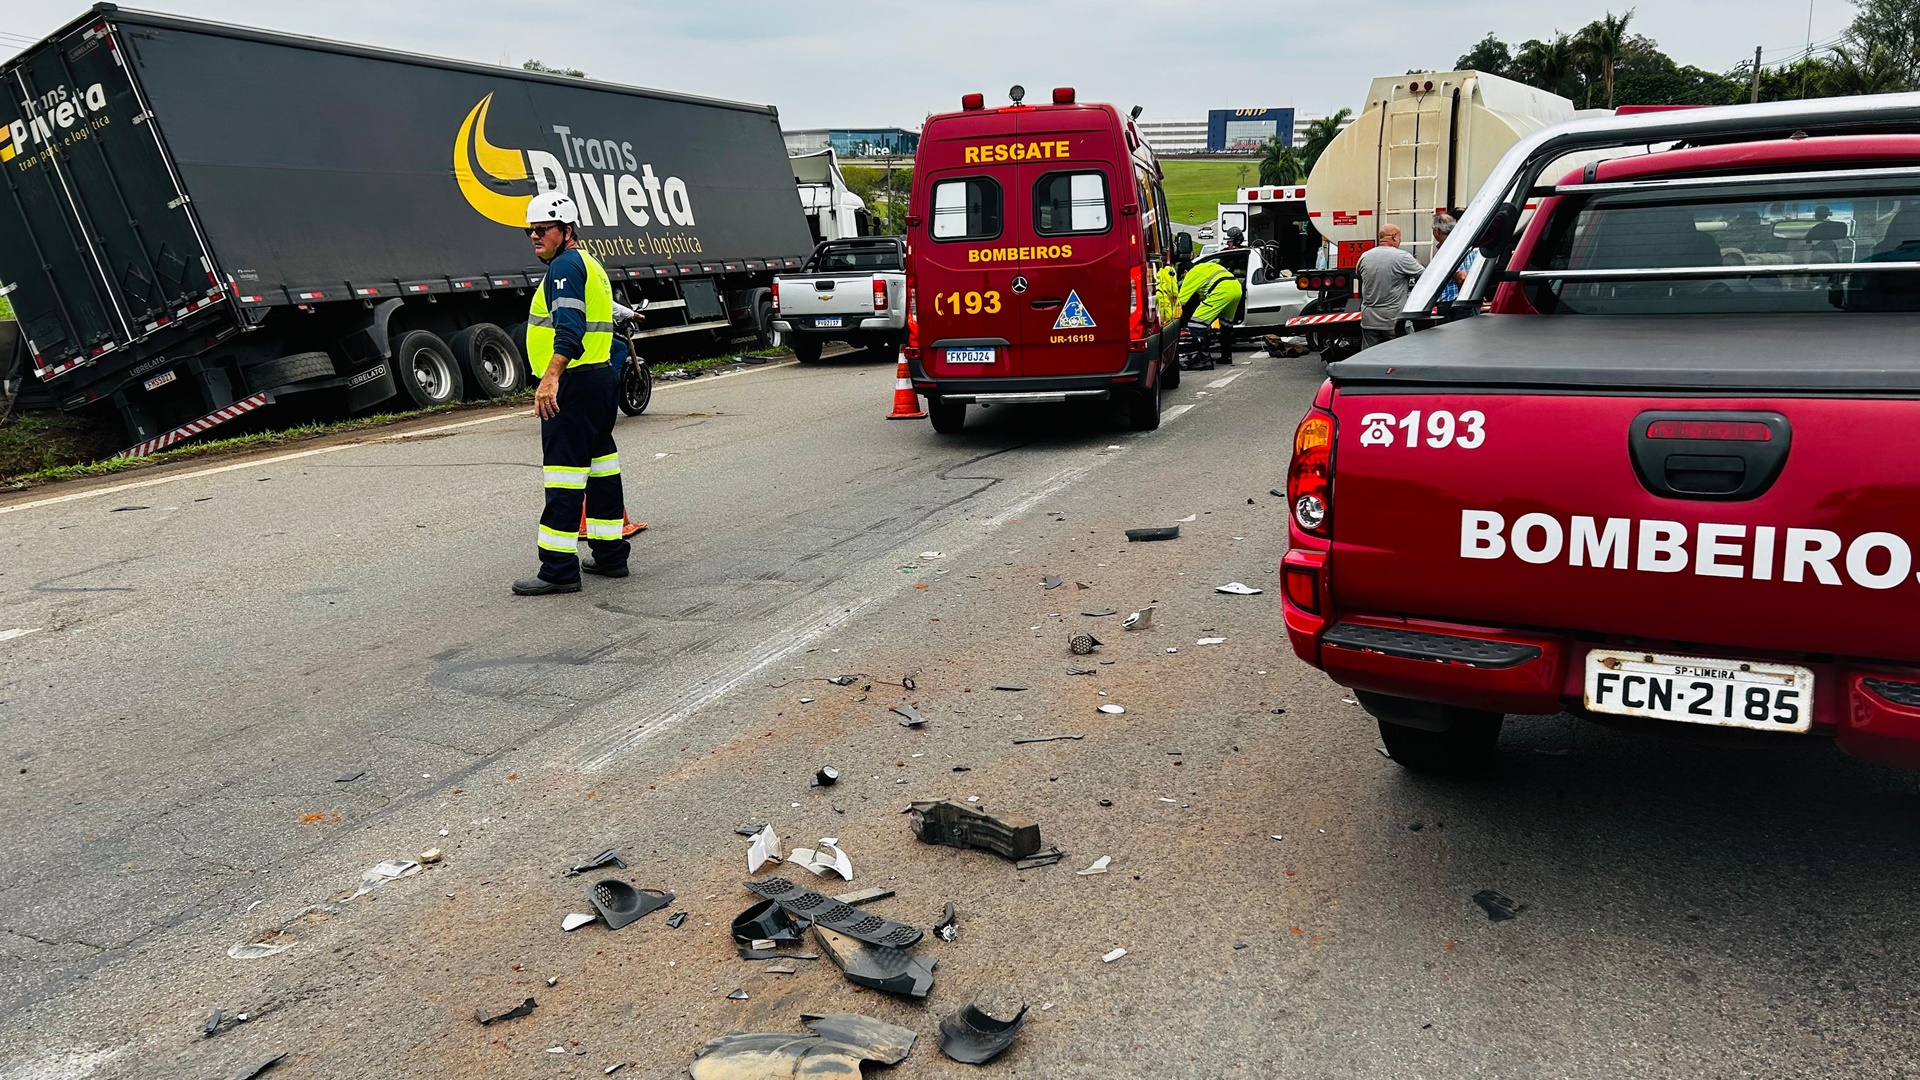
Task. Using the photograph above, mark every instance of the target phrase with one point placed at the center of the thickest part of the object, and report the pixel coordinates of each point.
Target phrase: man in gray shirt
(1386, 275)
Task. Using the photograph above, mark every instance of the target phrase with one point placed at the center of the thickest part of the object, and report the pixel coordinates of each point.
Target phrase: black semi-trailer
(198, 219)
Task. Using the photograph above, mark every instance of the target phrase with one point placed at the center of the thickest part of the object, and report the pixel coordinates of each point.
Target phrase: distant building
(850, 143)
(1226, 131)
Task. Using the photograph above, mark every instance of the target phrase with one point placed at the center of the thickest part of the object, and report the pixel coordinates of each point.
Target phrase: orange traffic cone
(626, 530)
(906, 403)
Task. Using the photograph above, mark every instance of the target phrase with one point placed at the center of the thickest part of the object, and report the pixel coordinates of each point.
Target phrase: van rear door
(1073, 248)
(968, 318)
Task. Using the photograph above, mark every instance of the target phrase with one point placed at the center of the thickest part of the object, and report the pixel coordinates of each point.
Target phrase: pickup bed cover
(1749, 354)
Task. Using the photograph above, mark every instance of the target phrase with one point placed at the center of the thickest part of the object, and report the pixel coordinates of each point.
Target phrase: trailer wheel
(763, 332)
(288, 370)
(425, 369)
(490, 362)
(805, 349)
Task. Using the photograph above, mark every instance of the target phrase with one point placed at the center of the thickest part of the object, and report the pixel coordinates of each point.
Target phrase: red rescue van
(1031, 251)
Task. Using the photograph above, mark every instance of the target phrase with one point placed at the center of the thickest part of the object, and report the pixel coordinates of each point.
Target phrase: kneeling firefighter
(577, 358)
(1209, 293)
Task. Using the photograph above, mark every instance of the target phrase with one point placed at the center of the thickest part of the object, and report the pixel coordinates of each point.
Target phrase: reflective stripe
(606, 465)
(555, 540)
(568, 303)
(564, 476)
(540, 320)
(599, 328)
(604, 528)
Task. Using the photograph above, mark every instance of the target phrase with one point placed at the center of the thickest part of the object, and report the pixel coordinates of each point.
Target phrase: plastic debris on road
(1113, 709)
(620, 903)
(880, 967)
(1189, 517)
(1237, 588)
(1498, 908)
(1211, 641)
(955, 825)
(252, 1071)
(825, 911)
(835, 1046)
(513, 1012)
(1112, 956)
(764, 849)
(1167, 532)
(827, 776)
(1083, 644)
(380, 873)
(1139, 620)
(609, 857)
(1099, 866)
(577, 920)
(827, 857)
(933, 554)
(1052, 581)
(947, 927)
(984, 1028)
(911, 716)
(1040, 858)
(1045, 738)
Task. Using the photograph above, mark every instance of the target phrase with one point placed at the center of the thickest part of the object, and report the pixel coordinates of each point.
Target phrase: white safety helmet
(552, 206)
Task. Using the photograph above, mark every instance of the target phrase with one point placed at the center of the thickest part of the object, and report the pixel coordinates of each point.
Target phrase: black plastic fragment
(609, 857)
(350, 777)
(776, 954)
(1101, 614)
(768, 921)
(826, 777)
(674, 920)
(1083, 644)
(619, 903)
(1162, 532)
(1040, 858)
(834, 915)
(1497, 907)
(844, 680)
(895, 971)
(983, 1029)
(212, 1026)
(947, 927)
(1045, 738)
(912, 715)
(1010, 686)
(1051, 581)
(252, 1071)
(958, 825)
(737, 995)
(492, 1016)
(749, 831)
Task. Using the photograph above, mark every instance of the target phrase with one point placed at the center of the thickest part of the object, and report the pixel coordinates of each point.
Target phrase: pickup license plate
(829, 321)
(160, 380)
(969, 356)
(1700, 690)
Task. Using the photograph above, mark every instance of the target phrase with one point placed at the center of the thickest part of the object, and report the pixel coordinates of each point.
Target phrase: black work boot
(592, 566)
(541, 587)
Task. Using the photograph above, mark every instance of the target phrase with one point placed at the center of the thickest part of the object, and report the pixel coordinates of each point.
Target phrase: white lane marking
(1176, 412)
(9, 635)
(1052, 487)
(251, 463)
(1224, 380)
(792, 640)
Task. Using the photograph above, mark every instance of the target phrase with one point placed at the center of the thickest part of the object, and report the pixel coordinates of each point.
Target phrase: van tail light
(1310, 476)
(879, 294)
(776, 296)
(1137, 310)
(911, 350)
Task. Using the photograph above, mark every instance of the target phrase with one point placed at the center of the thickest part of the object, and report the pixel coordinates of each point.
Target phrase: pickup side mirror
(1183, 245)
(1496, 239)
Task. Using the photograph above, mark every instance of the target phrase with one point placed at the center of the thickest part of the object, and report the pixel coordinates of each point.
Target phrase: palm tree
(1601, 43)
(1320, 132)
(1546, 64)
(1280, 163)
(1862, 68)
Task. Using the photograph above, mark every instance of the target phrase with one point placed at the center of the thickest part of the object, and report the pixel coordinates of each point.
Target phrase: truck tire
(425, 369)
(288, 370)
(1143, 408)
(948, 416)
(1170, 374)
(764, 335)
(805, 349)
(490, 363)
(1431, 738)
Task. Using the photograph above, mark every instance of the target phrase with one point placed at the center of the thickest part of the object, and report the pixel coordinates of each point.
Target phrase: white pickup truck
(852, 290)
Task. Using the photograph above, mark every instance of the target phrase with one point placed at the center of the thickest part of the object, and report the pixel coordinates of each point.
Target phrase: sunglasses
(538, 231)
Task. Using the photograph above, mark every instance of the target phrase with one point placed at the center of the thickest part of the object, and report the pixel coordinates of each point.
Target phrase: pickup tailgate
(1638, 498)
(806, 297)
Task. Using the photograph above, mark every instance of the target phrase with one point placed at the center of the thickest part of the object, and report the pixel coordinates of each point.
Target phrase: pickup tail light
(879, 294)
(776, 296)
(1310, 476)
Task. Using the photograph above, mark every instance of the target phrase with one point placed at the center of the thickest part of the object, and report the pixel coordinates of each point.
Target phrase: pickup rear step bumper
(1421, 645)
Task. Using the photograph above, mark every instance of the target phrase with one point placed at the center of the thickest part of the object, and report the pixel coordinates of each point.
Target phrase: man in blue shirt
(1443, 228)
(572, 348)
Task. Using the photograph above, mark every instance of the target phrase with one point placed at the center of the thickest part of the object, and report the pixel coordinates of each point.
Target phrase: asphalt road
(244, 687)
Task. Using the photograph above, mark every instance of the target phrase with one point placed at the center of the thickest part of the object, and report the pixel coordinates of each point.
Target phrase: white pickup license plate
(161, 380)
(969, 356)
(828, 321)
(1700, 690)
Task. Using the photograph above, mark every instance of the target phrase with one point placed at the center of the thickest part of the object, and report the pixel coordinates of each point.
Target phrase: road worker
(577, 357)
(1208, 293)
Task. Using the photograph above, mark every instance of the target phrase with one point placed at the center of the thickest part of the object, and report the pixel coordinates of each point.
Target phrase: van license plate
(161, 380)
(969, 356)
(1700, 690)
(828, 321)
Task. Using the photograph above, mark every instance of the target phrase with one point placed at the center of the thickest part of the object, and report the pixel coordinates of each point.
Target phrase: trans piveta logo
(609, 184)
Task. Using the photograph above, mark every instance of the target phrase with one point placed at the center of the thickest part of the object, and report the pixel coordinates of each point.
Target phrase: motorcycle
(636, 375)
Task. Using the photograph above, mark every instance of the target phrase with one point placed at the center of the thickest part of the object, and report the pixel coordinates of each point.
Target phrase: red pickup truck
(1670, 475)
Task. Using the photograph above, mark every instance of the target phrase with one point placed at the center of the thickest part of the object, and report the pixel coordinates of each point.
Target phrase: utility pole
(1756, 76)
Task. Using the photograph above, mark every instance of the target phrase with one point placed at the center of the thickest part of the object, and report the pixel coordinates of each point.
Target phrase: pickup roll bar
(1513, 179)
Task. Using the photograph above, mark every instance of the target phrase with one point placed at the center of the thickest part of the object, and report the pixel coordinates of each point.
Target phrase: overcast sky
(854, 63)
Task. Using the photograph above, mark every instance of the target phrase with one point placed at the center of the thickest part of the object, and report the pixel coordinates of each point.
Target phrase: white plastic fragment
(1171, 649)
(1211, 641)
(1099, 866)
(381, 873)
(1189, 517)
(444, 832)
(254, 950)
(1163, 798)
(765, 849)
(827, 857)
(1139, 620)
(806, 701)
(1112, 956)
(1114, 709)
(1277, 836)
(933, 554)
(1237, 588)
(556, 1049)
(576, 920)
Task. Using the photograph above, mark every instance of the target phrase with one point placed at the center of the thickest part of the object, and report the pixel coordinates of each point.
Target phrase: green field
(1196, 188)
